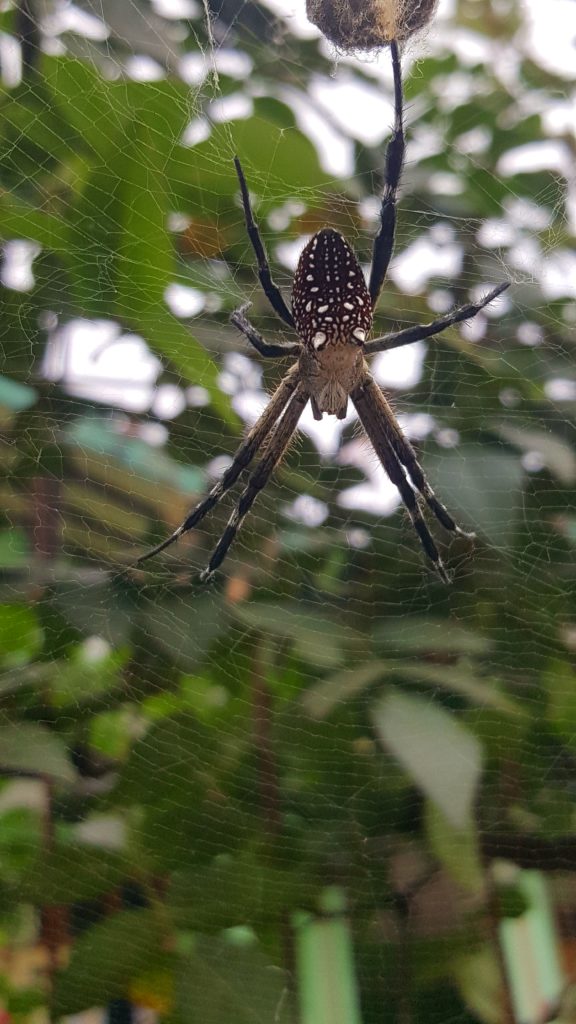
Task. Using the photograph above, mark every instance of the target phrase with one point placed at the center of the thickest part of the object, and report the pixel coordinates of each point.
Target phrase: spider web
(327, 711)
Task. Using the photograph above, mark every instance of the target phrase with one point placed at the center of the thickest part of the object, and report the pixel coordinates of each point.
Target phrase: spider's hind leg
(276, 445)
(242, 459)
(407, 456)
(372, 410)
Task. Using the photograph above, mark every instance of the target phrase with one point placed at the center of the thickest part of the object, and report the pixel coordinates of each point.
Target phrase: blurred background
(327, 789)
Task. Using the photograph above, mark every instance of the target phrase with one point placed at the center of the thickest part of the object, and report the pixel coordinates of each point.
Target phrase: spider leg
(246, 452)
(255, 338)
(389, 426)
(384, 241)
(271, 289)
(398, 338)
(275, 448)
(370, 418)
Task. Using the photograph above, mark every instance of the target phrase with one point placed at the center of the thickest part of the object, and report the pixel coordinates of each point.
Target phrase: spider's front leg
(241, 321)
(395, 151)
(269, 286)
(396, 339)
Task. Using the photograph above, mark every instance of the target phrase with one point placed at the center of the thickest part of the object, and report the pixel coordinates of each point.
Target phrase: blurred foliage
(185, 770)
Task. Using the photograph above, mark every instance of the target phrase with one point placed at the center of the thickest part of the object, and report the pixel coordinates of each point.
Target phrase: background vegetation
(185, 771)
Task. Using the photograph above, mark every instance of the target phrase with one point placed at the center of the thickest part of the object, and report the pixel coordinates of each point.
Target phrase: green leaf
(557, 455)
(51, 881)
(317, 638)
(426, 634)
(19, 219)
(461, 679)
(441, 756)
(20, 634)
(222, 982)
(174, 773)
(559, 680)
(456, 848)
(14, 549)
(278, 161)
(172, 340)
(479, 978)
(105, 959)
(168, 761)
(96, 107)
(186, 630)
(34, 750)
(483, 487)
(239, 891)
(323, 697)
(100, 609)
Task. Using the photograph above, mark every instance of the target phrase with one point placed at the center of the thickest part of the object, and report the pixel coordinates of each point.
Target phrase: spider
(332, 312)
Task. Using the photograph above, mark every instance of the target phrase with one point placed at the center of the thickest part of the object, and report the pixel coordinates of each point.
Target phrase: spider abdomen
(330, 301)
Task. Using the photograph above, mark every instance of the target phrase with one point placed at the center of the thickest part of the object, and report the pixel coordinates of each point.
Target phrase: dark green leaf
(186, 630)
(238, 891)
(52, 881)
(105, 959)
(20, 634)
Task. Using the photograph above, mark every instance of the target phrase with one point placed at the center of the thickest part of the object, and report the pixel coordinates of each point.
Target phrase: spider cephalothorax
(332, 313)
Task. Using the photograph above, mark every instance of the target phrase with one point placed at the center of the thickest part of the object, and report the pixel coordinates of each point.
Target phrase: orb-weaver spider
(332, 313)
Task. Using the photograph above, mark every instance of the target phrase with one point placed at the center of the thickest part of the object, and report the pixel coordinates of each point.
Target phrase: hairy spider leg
(389, 426)
(243, 324)
(271, 289)
(370, 417)
(384, 241)
(241, 461)
(421, 331)
(277, 445)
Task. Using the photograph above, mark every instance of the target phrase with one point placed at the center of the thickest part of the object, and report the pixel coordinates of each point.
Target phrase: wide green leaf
(317, 638)
(222, 981)
(34, 750)
(461, 679)
(416, 634)
(439, 754)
